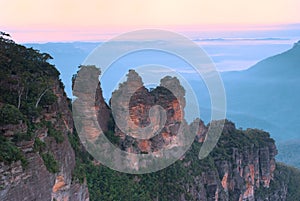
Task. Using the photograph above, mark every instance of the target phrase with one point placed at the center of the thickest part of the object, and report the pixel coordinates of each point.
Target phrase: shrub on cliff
(9, 114)
(50, 162)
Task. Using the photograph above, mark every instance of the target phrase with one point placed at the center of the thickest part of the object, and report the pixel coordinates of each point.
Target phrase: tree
(4, 34)
(45, 84)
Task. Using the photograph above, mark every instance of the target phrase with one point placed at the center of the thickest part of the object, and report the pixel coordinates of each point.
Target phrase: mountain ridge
(36, 121)
(289, 57)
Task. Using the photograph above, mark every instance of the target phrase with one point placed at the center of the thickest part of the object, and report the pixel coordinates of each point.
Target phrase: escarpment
(42, 158)
(37, 160)
(240, 167)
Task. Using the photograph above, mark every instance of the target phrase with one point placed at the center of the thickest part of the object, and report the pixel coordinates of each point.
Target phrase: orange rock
(224, 181)
(59, 184)
(144, 145)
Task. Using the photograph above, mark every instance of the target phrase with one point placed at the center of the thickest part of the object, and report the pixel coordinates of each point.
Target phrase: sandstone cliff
(41, 157)
(140, 103)
(241, 163)
(241, 167)
(36, 122)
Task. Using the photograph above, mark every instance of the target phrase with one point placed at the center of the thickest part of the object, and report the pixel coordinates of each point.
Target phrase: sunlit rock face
(169, 96)
(237, 177)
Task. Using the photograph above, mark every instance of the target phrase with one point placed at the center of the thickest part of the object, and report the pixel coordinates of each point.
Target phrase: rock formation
(242, 163)
(37, 160)
(39, 145)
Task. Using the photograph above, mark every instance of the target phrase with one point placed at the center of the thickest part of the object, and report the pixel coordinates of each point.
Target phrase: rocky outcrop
(239, 171)
(40, 162)
(142, 103)
(242, 163)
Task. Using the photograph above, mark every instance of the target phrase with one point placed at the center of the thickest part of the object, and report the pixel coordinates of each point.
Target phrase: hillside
(267, 96)
(282, 65)
(241, 167)
(42, 158)
(37, 161)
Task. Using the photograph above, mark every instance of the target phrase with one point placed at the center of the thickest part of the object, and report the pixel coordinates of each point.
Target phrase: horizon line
(92, 34)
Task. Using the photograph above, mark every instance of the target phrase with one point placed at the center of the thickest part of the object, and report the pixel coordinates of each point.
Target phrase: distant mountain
(267, 96)
(282, 65)
(289, 152)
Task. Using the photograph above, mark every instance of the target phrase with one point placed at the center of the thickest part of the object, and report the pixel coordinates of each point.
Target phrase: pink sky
(66, 20)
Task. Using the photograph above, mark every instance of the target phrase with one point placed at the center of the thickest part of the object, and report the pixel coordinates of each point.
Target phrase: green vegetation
(112, 137)
(58, 136)
(52, 132)
(170, 183)
(107, 184)
(50, 162)
(166, 184)
(26, 78)
(82, 158)
(9, 114)
(293, 183)
(78, 174)
(18, 137)
(82, 155)
(284, 177)
(27, 81)
(243, 140)
(49, 98)
(9, 152)
(39, 146)
(21, 136)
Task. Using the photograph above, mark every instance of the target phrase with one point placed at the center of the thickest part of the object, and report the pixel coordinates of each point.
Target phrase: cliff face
(35, 182)
(238, 170)
(37, 144)
(141, 101)
(240, 167)
(43, 171)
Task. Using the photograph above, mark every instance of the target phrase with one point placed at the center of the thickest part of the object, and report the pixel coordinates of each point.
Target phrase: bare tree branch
(40, 97)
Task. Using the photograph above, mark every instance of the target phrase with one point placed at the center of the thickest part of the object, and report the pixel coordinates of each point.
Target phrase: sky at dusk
(56, 20)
